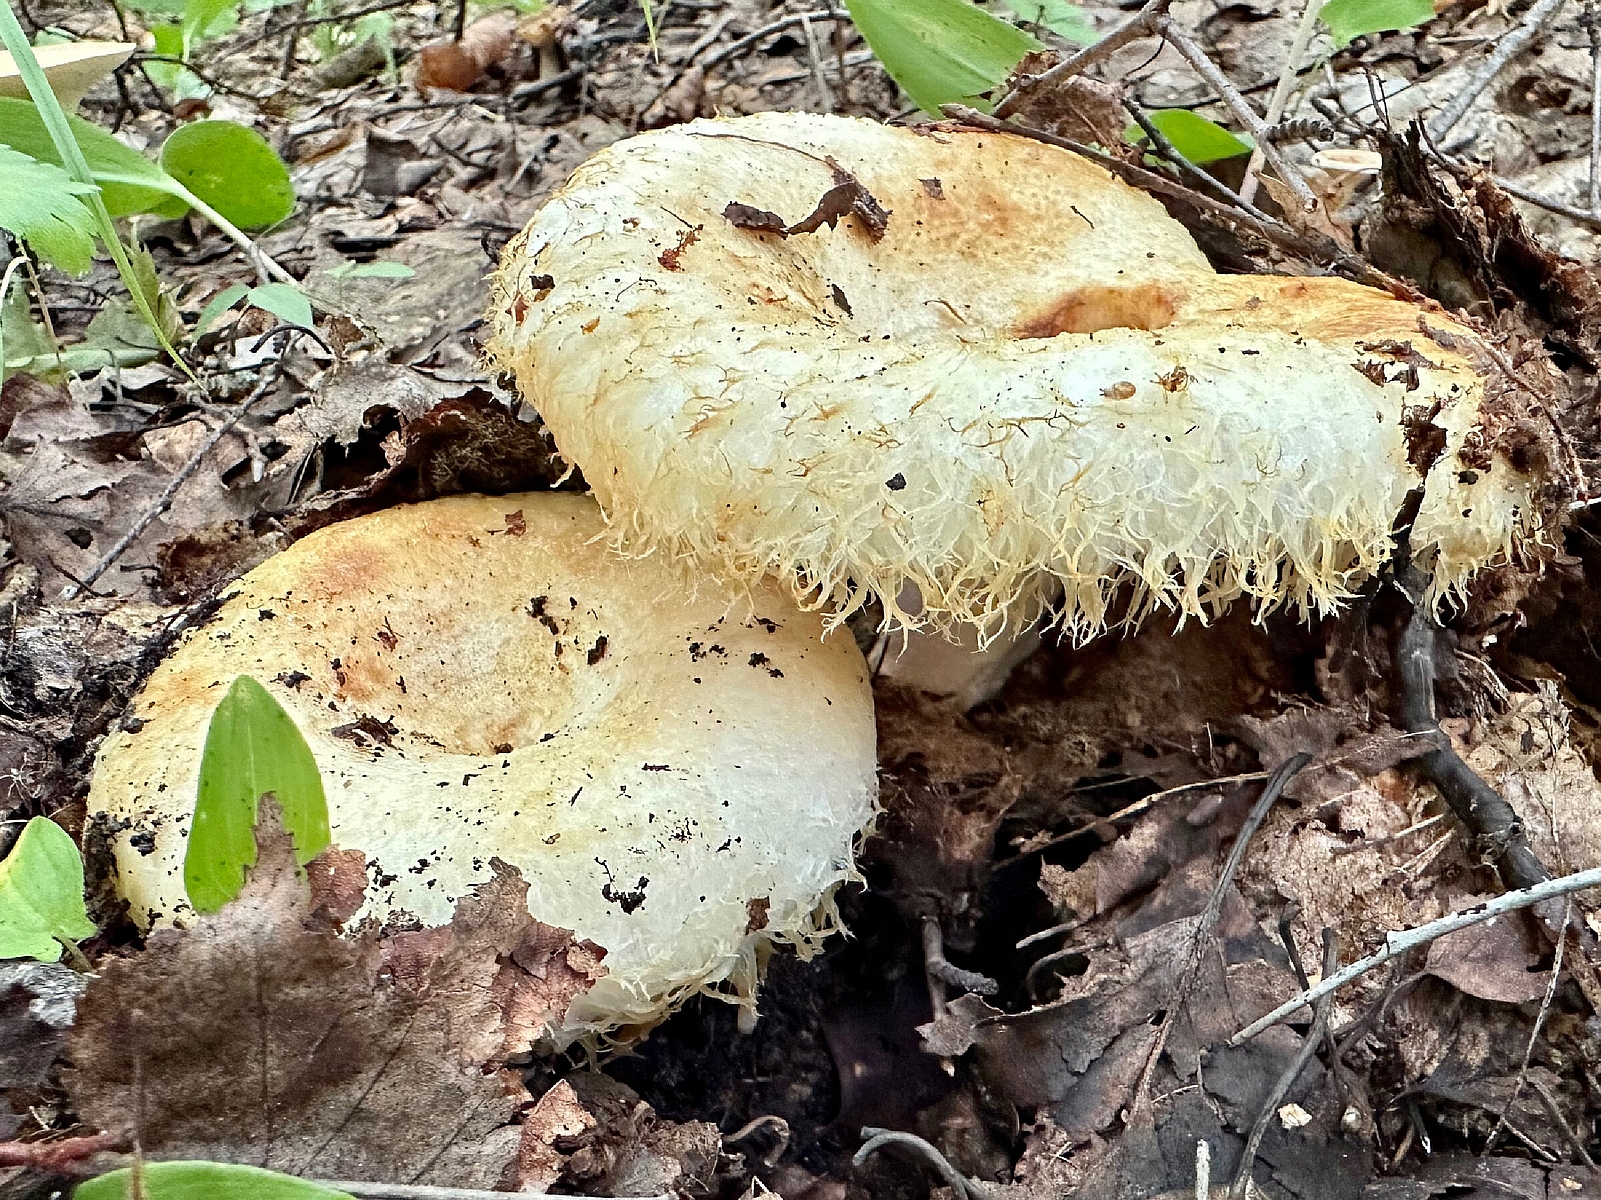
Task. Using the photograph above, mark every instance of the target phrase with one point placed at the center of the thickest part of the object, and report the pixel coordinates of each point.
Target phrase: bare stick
(1592, 26)
(1534, 1034)
(750, 39)
(946, 972)
(415, 1191)
(1237, 104)
(1202, 937)
(1166, 149)
(1404, 940)
(1281, 92)
(1510, 46)
(168, 493)
(1282, 1086)
(958, 1182)
(1141, 24)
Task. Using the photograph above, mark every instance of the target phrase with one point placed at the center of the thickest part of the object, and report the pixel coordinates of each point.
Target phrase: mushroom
(679, 777)
(985, 368)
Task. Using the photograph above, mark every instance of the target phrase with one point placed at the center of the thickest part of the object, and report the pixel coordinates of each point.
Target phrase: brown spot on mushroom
(1091, 309)
(756, 913)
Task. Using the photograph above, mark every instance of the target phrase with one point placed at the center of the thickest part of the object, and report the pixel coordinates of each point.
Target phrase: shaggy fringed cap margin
(482, 678)
(986, 367)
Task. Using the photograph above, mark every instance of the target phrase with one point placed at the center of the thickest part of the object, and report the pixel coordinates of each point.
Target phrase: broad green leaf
(231, 168)
(284, 301)
(219, 304)
(129, 182)
(41, 894)
(379, 269)
(39, 203)
(204, 1181)
(1350, 19)
(252, 747)
(1197, 139)
(1065, 19)
(941, 51)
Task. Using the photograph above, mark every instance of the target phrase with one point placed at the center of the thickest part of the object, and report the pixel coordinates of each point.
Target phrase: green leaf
(207, 19)
(41, 894)
(219, 304)
(378, 269)
(129, 182)
(1350, 19)
(284, 301)
(39, 203)
(1062, 18)
(233, 169)
(204, 1181)
(1197, 139)
(252, 747)
(941, 51)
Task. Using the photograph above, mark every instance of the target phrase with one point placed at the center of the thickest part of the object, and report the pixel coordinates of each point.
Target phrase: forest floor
(1061, 839)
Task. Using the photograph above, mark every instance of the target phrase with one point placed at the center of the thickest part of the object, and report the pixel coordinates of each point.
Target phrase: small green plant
(41, 895)
(201, 1181)
(1350, 19)
(941, 51)
(252, 747)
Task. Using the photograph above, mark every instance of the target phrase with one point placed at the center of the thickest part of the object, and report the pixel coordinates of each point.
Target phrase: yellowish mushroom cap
(1017, 378)
(679, 777)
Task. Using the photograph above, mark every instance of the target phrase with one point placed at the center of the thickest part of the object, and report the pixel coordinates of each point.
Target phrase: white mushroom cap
(1031, 381)
(680, 778)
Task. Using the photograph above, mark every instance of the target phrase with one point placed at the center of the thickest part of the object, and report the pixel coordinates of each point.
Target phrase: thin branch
(1281, 93)
(1202, 937)
(168, 493)
(1164, 148)
(1141, 24)
(1592, 26)
(415, 1191)
(1405, 940)
(1243, 112)
(1509, 47)
(959, 1183)
(1281, 1088)
(766, 31)
(1310, 245)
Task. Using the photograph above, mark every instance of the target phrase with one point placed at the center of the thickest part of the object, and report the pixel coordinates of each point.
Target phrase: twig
(1141, 24)
(1131, 810)
(164, 501)
(311, 22)
(938, 968)
(58, 1157)
(1561, 1122)
(1281, 1087)
(1479, 807)
(1534, 1034)
(1592, 26)
(1202, 937)
(1281, 94)
(750, 39)
(877, 1138)
(1164, 148)
(1590, 219)
(415, 1191)
(1505, 51)
(1405, 940)
(814, 54)
(1203, 1169)
(1237, 104)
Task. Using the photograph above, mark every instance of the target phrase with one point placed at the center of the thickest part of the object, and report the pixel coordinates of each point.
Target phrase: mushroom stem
(960, 668)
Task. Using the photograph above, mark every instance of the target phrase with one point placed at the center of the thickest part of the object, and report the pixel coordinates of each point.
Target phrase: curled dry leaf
(456, 65)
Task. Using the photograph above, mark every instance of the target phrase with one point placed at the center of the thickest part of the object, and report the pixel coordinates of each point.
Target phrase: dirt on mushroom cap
(479, 678)
(1026, 380)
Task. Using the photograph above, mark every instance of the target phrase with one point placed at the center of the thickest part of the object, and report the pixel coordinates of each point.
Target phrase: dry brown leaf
(456, 65)
(254, 1038)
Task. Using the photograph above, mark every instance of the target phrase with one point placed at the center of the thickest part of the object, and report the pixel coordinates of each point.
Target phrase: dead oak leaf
(254, 1037)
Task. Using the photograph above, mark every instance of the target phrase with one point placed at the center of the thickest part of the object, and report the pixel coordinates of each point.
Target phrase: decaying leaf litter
(1085, 812)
